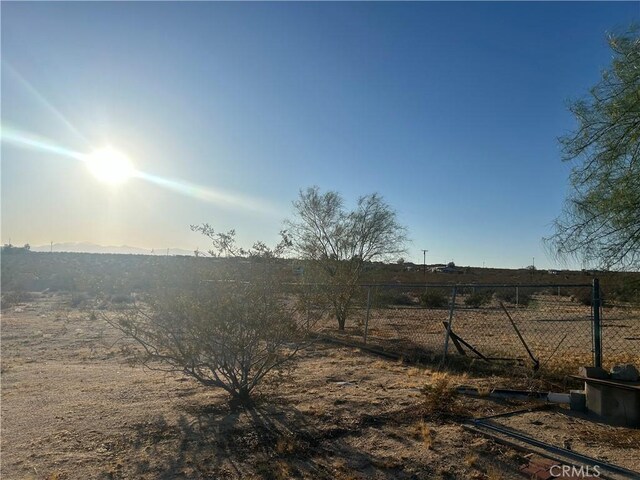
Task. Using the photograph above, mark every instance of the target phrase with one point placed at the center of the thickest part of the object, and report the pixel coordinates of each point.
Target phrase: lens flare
(29, 141)
(113, 167)
(110, 166)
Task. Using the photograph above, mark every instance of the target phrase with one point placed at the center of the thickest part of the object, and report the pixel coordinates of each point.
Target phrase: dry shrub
(494, 474)
(434, 299)
(225, 332)
(11, 299)
(57, 476)
(286, 445)
(476, 300)
(229, 335)
(276, 470)
(471, 460)
(440, 396)
(422, 432)
(484, 391)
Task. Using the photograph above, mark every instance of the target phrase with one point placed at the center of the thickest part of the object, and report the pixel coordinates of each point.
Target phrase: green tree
(338, 243)
(600, 223)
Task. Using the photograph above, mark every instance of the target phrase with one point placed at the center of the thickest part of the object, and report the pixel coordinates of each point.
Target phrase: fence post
(597, 328)
(366, 322)
(517, 297)
(448, 334)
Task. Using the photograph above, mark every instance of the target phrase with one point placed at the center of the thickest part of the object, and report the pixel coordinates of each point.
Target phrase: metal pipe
(536, 363)
(448, 334)
(597, 327)
(469, 285)
(521, 448)
(366, 322)
(558, 450)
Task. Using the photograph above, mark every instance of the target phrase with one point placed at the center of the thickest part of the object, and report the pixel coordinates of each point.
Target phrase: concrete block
(578, 400)
(614, 405)
(593, 372)
(626, 373)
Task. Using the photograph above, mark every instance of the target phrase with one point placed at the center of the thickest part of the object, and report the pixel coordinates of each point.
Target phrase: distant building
(444, 269)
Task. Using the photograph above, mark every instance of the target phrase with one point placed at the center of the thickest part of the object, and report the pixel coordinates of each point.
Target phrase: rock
(626, 372)
(593, 372)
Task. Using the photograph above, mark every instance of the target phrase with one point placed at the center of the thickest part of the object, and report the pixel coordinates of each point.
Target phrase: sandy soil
(71, 408)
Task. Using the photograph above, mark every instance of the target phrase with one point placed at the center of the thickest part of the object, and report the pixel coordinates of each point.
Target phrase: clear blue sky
(450, 110)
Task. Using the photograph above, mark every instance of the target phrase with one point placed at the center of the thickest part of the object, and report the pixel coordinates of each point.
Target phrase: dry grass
(493, 473)
(615, 438)
(471, 460)
(275, 470)
(286, 446)
(440, 396)
(342, 470)
(422, 432)
(57, 476)
(281, 470)
(317, 410)
(484, 391)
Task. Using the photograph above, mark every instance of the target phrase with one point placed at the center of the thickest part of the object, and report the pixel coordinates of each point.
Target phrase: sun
(110, 166)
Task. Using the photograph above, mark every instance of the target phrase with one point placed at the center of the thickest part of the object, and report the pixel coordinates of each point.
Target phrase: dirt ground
(72, 408)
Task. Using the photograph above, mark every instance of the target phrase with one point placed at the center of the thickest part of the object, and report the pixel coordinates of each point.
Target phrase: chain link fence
(620, 332)
(551, 326)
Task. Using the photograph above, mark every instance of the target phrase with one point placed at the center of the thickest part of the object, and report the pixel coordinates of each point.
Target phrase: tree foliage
(600, 223)
(227, 333)
(224, 244)
(338, 242)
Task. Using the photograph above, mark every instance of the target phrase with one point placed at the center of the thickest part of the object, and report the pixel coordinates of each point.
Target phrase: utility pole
(424, 262)
(51, 247)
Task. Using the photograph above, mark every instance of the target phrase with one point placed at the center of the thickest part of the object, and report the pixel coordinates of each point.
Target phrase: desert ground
(73, 408)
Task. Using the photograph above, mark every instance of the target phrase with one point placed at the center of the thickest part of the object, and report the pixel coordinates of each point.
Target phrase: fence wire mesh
(549, 326)
(620, 327)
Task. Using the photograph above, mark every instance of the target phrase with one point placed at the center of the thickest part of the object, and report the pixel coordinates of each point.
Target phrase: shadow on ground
(267, 441)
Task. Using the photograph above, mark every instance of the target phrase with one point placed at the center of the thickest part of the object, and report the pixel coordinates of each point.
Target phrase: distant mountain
(84, 247)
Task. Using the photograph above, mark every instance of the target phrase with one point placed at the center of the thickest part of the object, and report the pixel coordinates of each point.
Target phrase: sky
(451, 111)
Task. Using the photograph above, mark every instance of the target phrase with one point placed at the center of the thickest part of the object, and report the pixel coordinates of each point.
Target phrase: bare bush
(440, 397)
(338, 243)
(228, 333)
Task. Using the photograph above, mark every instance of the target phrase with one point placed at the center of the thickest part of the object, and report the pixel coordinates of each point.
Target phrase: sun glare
(110, 166)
